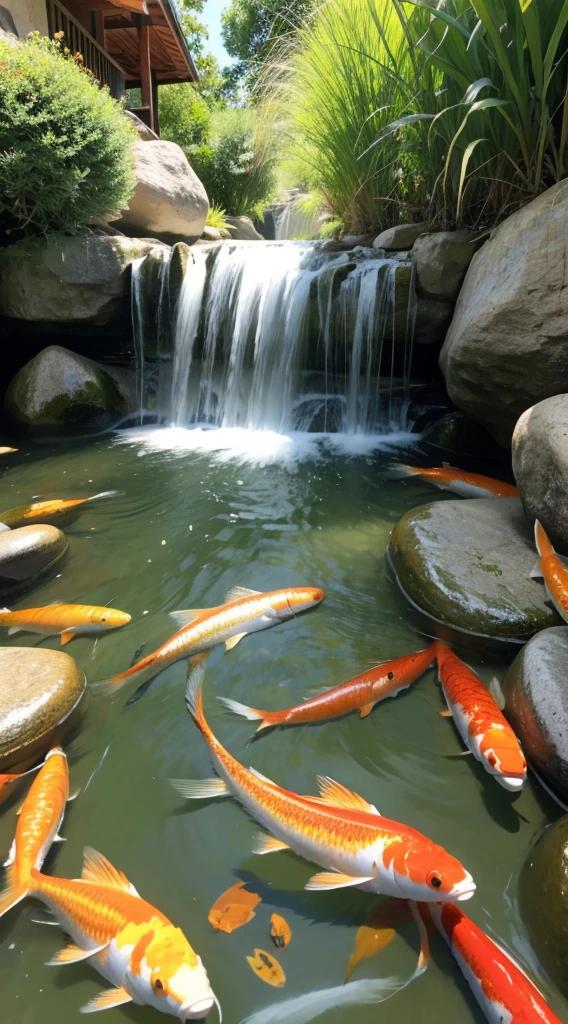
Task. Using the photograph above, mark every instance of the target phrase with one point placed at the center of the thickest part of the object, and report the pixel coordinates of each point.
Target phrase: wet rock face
(543, 893)
(536, 693)
(540, 464)
(467, 564)
(441, 261)
(39, 691)
(29, 550)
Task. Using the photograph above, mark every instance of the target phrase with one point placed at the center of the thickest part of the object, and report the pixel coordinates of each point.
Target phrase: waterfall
(285, 336)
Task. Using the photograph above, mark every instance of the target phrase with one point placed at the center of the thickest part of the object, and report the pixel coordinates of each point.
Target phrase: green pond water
(185, 528)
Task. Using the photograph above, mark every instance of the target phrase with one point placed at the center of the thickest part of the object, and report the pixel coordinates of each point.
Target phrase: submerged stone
(467, 564)
(40, 690)
(543, 894)
(540, 464)
(29, 550)
(536, 693)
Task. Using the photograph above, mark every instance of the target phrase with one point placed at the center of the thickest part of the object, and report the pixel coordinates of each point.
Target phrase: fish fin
(184, 616)
(3, 527)
(11, 894)
(72, 954)
(268, 844)
(60, 839)
(334, 793)
(39, 920)
(239, 594)
(536, 572)
(241, 709)
(200, 789)
(496, 691)
(366, 709)
(195, 677)
(334, 880)
(66, 636)
(445, 713)
(99, 870)
(14, 629)
(259, 775)
(11, 856)
(103, 494)
(400, 472)
(73, 796)
(106, 1000)
(462, 753)
(233, 641)
(5, 611)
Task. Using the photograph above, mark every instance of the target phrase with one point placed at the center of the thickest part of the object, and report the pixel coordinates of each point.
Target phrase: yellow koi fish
(47, 511)
(68, 620)
(38, 825)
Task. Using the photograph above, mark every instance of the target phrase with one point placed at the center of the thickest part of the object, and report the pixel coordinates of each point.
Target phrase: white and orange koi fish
(338, 830)
(467, 485)
(479, 719)
(66, 620)
(39, 822)
(245, 611)
(553, 570)
(503, 991)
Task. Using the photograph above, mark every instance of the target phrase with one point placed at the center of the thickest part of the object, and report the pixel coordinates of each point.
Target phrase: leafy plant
(66, 149)
(237, 165)
(183, 115)
(217, 218)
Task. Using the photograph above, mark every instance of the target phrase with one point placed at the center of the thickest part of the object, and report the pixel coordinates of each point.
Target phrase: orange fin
(73, 955)
(66, 636)
(334, 880)
(107, 1000)
(268, 844)
(338, 796)
(99, 870)
(445, 713)
(366, 710)
(233, 641)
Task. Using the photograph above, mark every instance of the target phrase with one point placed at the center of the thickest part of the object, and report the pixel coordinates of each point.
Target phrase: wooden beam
(156, 125)
(146, 71)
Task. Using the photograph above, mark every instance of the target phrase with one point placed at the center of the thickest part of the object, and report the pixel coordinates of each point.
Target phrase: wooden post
(146, 72)
(155, 105)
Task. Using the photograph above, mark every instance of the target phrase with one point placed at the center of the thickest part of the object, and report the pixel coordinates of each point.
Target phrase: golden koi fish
(552, 570)
(68, 620)
(7, 451)
(38, 825)
(47, 511)
(338, 830)
(467, 485)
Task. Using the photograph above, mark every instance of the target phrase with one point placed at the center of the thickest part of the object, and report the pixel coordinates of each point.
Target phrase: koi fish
(478, 717)
(6, 451)
(68, 620)
(245, 611)
(7, 781)
(359, 694)
(38, 825)
(467, 485)
(47, 511)
(552, 569)
(338, 830)
(503, 991)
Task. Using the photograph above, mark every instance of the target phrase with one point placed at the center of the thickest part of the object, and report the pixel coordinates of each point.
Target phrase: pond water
(187, 526)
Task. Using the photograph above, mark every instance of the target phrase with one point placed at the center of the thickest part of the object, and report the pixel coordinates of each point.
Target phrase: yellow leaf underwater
(378, 931)
(233, 909)
(280, 931)
(267, 968)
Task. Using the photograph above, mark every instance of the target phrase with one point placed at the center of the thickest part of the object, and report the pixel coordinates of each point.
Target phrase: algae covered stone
(40, 690)
(467, 564)
(29, 550)
(544, 900)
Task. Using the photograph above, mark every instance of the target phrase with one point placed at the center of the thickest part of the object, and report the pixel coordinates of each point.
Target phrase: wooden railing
(78, 40)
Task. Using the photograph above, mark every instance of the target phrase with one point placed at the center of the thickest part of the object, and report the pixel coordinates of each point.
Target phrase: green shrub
(65, 145)
(237, 166)
(217, 218)
(183, 115)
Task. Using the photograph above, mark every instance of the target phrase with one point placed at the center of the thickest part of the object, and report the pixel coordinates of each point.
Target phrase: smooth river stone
(467, 564)
(536, 693)
(29, 550)
(39, 691)
(543, 892)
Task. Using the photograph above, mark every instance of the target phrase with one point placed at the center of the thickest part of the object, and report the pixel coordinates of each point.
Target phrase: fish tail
(16, 889)
(194, 691)
(400, 472)
(142, 671)
(543, 545)
(253, 714)
(102, 494)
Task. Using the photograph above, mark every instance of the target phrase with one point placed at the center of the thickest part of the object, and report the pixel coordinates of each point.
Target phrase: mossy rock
(467, 564)
(543, 892)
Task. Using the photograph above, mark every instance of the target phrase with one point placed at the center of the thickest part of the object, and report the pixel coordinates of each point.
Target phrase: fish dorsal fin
(496, 692)
(239, 594)
(100, 871)
(338, 796)
(186, 615)
(260, 776)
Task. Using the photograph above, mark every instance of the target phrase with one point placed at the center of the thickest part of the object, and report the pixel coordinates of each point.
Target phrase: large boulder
(83, 279)
(536, 695)
(540, 463)
(507, 346)
(543, 891)
(40, 697)
(169, 202)
(59, 390)
(441, 260)
(29, 550)
(467, 564)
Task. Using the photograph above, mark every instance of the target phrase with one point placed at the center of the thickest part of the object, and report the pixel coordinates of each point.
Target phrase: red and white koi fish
(338, 830)
(359, 694)
(38, 825)
(47, 511)
(245, 611)
(478, 717)
(503, 991)
(552, 570)
(467, 485)
(67, 620)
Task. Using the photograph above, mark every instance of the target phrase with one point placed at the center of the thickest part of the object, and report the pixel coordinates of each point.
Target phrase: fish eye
(158, 985)
(492, 759)
(434, 880)
(390, 675)
(103, 618)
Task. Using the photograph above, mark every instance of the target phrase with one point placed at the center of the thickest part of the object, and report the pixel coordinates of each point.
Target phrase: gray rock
(61, 390)
(442, 260)
(536, 694)
(507, 347)
(211, 234)
(433, 317)
(403, 236)
(543, 892)
(540, 464)
(169, 202)
(83, 279)
(456, 432)
(29, 550)
(145, 133)
(467, 564)
(243, 229)
(40, 692)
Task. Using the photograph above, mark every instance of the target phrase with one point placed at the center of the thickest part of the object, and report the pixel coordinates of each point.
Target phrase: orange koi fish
(68, 620)
(359, 694)
(6, 451)
(338, 830)
(552, 570)
(503, 991)
(478, 716)
(467, 485)
(47, 511)
(7, 781)
(245, 611)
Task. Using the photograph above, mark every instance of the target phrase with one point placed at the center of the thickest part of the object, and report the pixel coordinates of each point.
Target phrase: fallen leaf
(267, 968)
(233, 909)
(280, 931)
(378, 931)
